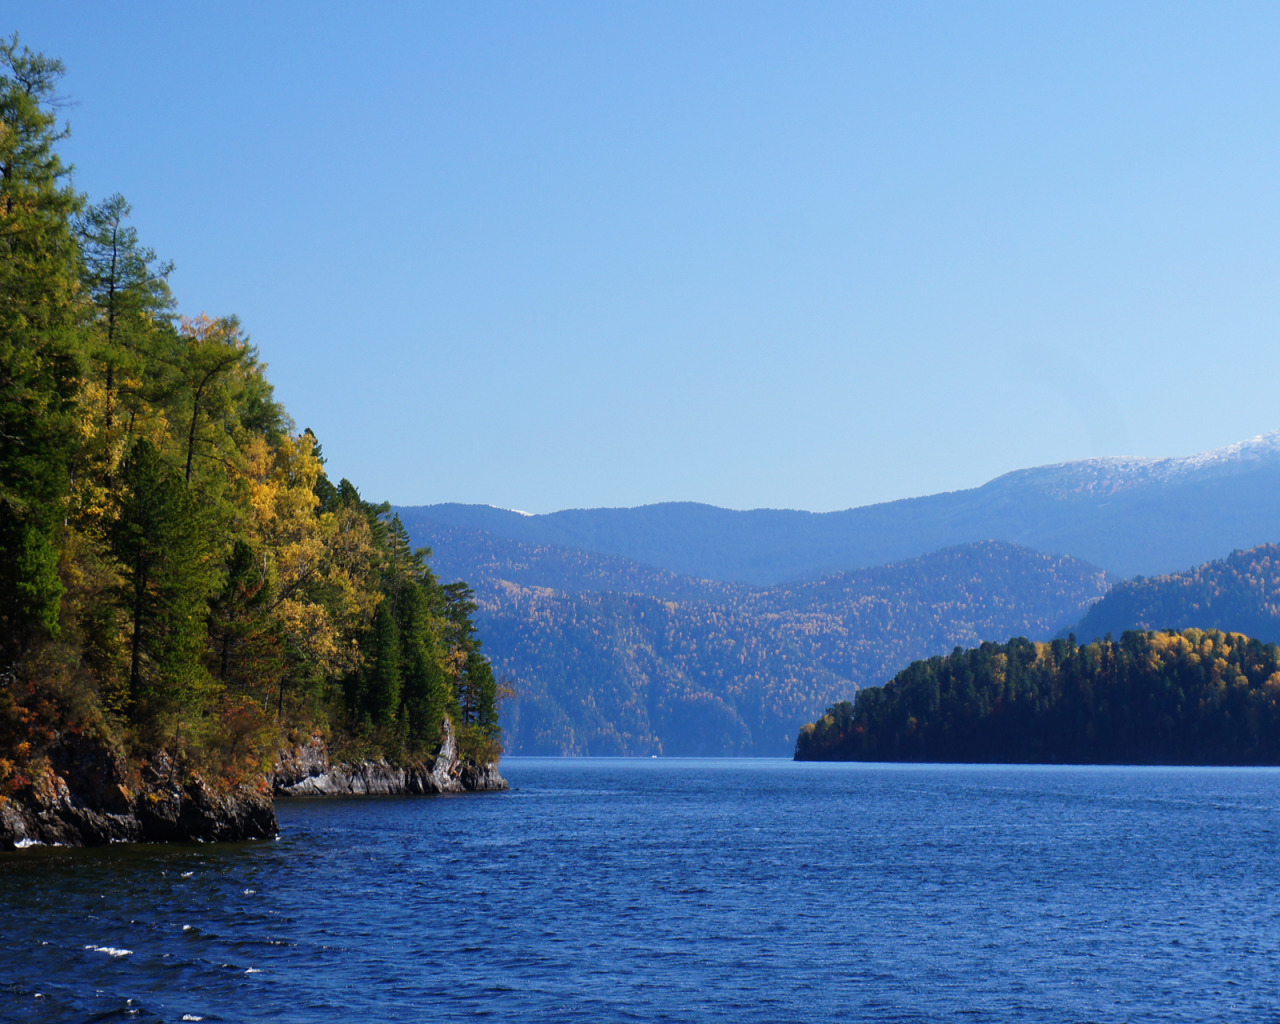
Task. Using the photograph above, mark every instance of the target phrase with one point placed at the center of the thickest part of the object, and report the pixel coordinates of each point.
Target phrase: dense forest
(709, 668)
(1239, 593)
(177, 570)
(1174, 697)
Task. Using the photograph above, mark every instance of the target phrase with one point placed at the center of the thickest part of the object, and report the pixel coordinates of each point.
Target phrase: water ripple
(737, 891)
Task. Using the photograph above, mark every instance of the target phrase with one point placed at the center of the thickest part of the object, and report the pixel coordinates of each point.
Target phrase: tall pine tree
(40, 358)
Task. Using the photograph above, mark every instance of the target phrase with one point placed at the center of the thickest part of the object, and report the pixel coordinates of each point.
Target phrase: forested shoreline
(1187, 696)
(180, 580)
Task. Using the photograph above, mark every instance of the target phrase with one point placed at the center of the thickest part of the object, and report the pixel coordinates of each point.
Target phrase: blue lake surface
(683, 890)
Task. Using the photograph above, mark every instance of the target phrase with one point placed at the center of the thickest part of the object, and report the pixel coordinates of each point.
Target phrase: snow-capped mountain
(1129, 516)
(1114, 474)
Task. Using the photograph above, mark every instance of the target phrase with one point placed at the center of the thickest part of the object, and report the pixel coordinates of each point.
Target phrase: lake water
(683, 890)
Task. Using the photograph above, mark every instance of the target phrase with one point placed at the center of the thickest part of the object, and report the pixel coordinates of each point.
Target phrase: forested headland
(180, 580)
(1173, 697)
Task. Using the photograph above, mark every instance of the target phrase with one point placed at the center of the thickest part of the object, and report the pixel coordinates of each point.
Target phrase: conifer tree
(39, 349)
(382, 694)
(167, 584)
(130, 292)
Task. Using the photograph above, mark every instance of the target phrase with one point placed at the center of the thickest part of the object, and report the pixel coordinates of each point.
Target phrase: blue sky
(759, 255)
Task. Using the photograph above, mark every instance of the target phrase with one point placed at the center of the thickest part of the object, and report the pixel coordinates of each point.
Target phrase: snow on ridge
(1256, 449)
(517, 511)
(1253, 450)
(1117, 472)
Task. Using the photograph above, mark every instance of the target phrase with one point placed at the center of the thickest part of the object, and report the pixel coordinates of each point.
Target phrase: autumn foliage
(1187, 696)
(177, 571)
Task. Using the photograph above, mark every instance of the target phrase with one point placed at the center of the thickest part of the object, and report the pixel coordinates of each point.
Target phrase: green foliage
(175, 566)
(1188, 697)
(427, 693)
(167, 583)
(40, 348)
(423, 658)
(130, 293)
(385, 681)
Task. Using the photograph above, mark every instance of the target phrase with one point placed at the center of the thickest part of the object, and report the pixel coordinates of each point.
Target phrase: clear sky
(805, 255)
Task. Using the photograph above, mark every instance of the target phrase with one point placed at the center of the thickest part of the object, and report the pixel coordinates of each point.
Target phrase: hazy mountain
(1128, 515)
(1240, 593)
(736, 670)
(683, 628)
(482, 558)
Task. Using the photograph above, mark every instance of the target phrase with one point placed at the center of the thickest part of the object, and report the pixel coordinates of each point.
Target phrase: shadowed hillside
(1240, 593)
(736, 670)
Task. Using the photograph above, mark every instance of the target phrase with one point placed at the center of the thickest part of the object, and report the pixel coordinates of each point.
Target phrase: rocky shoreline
(82, 794)
(308, 771)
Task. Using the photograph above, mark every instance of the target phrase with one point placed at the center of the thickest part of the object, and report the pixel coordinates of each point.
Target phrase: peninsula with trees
(1172, 697)
(184, 592)
(1194, 678)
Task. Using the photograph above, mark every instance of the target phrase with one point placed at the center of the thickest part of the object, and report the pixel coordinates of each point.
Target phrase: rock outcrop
(81, 794)
(309, 771)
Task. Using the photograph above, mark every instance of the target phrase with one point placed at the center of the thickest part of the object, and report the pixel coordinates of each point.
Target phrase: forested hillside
(734, 670)
(483, 557)
(177, 571)
(1189, 697)
(1240, 593)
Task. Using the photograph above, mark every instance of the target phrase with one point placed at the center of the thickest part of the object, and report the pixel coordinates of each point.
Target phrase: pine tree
(167, 585)
(40, 357)
(130, 291)
(426, 690)
(386, 679)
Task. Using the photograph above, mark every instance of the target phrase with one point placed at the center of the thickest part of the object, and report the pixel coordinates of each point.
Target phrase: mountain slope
(1240, 593)
(738, 671)
(481, 557)
(1126, 515)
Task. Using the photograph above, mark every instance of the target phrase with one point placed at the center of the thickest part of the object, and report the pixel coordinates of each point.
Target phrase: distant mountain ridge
(1128, 515)
(1113, 474)
(483, 558)
(684, 628)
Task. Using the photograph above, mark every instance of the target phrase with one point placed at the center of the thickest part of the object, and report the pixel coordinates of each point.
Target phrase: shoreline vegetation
(1190, 696)
(185, 595)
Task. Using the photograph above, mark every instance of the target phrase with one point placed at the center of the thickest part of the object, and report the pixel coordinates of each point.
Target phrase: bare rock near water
(81, 795)
(308, 771)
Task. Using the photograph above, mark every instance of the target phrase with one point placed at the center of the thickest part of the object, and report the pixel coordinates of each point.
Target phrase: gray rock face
(83, 798)
(308, 771)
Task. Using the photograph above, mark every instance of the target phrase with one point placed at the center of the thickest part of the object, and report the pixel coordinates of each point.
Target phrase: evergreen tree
(382, 694)
(40, 356)
(167, 585)
(130, 291)
(426, 690)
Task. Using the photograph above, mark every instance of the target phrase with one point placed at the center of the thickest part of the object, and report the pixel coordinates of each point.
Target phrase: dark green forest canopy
(1174, 697)
(177, 571)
